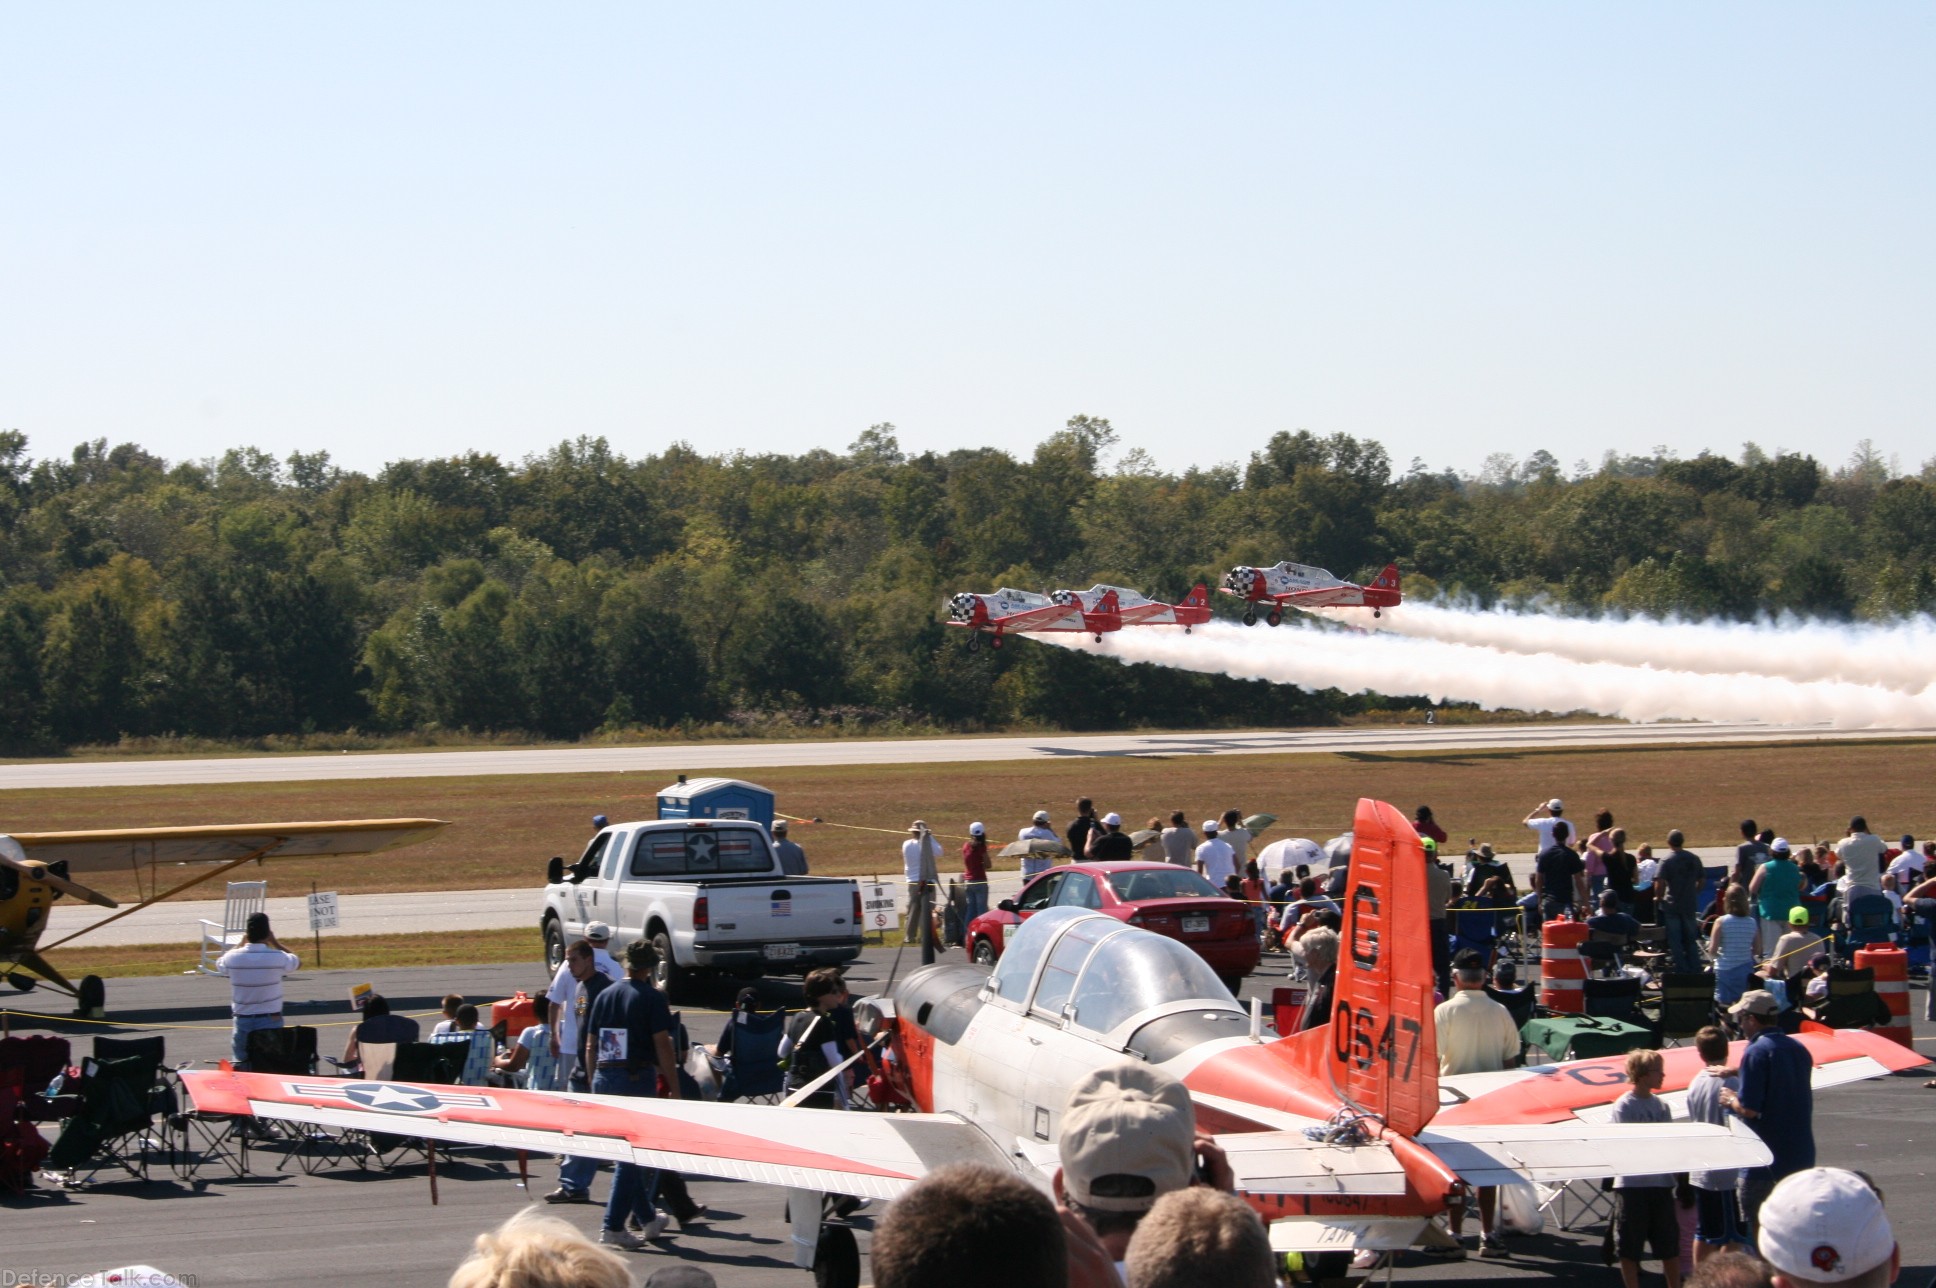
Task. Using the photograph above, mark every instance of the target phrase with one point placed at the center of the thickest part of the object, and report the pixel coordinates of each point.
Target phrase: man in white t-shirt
(1907, 868)
(1860, 853)
(563, 995)
(1034, 865)
(1215, 859)
(1542, 824)
(919, 854)
(255, 972)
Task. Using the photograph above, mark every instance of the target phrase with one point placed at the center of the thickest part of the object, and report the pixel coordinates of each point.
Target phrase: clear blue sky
(392, 230)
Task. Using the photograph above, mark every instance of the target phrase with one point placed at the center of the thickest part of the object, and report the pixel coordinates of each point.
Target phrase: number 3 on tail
(1352, 1039)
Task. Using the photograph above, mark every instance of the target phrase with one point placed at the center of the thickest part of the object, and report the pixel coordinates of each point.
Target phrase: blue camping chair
(1710, 888)
(1872, 921)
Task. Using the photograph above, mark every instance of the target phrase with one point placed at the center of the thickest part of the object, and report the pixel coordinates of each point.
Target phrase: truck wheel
(554, 941)
(984, 952)
(667, 975)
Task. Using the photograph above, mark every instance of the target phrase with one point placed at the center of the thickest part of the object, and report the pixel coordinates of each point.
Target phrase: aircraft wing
(119, 849)
(1345, 596)
(1289, 1162)
(1581, 1151)
(1584, 1090)
(865, 1154)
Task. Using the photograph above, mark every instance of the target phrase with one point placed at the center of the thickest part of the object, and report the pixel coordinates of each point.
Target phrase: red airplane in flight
(1344, 1136)
(1298, 585)
(1098, 611)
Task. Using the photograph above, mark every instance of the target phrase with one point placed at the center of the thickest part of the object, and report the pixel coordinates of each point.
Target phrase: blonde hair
(1199, 1236)
(1737, 901)
(1641, 1061)
(532, 1250)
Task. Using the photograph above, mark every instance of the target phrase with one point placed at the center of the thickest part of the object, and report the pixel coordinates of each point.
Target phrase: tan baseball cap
(1127, 1119)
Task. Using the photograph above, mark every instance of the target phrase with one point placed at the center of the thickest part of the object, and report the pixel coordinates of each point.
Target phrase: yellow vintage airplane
(36, 868)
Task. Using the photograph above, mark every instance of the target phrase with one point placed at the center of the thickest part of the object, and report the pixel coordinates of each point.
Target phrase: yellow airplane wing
(120, 849)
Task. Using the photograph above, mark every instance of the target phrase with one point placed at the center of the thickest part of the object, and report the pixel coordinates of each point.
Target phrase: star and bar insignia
(392, 1097)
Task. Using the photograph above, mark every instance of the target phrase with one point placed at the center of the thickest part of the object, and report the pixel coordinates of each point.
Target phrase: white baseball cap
(1556, 804)
(976, 829)
(1041, 816)
(598, 932)
(1112, 819)
(1825, 1224)
(1780, 846)
(1210, 826)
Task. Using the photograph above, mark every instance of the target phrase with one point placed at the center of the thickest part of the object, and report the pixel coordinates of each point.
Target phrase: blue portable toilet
(717, 798)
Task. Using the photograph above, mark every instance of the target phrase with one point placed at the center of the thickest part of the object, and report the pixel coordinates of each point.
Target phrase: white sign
(322, 911)
(880, 906)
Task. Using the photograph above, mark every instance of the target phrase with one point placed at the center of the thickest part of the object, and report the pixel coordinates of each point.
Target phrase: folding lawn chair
(115, 1124)
(1686, 1005)
(752, 1069)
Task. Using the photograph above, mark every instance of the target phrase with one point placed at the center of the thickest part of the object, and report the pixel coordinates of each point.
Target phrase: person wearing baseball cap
(974, 873)
(1215, 859)
(1128, 1137)
(1775, 1098)
(1542, 823)
(1777, 888)
(1825, 1225)
(793, 859)
(1110, 844)
(1035, 862)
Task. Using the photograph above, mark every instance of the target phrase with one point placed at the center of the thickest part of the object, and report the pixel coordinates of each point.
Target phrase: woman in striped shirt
(1732, 945)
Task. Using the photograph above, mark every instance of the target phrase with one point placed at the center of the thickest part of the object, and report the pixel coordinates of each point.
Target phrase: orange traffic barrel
(1891, 967)
(1562, 971)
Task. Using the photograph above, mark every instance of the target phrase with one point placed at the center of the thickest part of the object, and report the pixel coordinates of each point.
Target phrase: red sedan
(1162, 897)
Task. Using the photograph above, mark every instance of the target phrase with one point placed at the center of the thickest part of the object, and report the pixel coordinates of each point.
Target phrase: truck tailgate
(781, 911)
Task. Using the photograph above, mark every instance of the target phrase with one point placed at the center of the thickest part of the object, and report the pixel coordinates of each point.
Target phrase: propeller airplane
(36, 868)
(1295, 585)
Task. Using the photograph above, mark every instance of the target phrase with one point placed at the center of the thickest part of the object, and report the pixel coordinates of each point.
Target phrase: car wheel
(554, 942)
(985, 952)
(667, 975)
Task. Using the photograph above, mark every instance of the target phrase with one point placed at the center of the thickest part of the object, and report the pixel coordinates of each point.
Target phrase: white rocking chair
(245, 899)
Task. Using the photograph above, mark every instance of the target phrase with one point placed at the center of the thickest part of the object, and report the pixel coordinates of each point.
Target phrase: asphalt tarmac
(692, 758)
(286, 1228)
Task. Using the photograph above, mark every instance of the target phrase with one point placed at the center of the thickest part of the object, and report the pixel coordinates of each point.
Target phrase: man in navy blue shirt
(1559, 875)
(1775, 1097)
(628, 1045)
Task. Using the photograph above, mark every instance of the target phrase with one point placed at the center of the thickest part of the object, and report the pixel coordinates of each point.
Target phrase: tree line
(581, 590)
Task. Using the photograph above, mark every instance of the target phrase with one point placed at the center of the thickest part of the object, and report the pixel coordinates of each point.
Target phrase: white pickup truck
(710, 896)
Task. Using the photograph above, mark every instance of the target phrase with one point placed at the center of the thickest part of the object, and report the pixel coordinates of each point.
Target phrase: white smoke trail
(1324, 659)
(1900, 657)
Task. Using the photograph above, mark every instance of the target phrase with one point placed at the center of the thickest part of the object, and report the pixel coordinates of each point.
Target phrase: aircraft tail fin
(1388, 579)
(1383, 1050)
(1199, 597)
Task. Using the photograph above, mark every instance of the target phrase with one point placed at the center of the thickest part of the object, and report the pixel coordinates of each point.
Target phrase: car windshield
(1161, 883)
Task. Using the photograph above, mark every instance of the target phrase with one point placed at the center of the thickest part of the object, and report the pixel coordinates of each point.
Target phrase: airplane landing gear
(994, 641)
(974, 641)
(1250, 616)
(1377, 612)
(1186, 630)
(1274, 617)
(1098, 639)
(22, 983)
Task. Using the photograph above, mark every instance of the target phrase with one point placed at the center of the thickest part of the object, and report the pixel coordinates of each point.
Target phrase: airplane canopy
(1098, 972)
(118, 848)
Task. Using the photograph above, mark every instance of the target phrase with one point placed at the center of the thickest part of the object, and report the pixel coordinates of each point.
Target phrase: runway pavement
(692, 758)
(286, 1228)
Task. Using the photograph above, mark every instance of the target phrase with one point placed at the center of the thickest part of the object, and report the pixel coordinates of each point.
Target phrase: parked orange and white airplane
(1295, 585)
(1341, 1137)
(1098, 610)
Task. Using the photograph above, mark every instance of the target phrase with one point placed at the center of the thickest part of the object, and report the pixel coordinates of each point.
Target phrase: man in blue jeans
(628, 1046)
(255, 972)
(1677, 888)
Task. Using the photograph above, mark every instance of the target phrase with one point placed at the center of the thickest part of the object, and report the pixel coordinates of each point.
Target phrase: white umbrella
(1284, 855)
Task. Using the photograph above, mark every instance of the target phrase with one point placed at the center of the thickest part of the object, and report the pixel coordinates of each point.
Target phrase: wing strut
(230, 866)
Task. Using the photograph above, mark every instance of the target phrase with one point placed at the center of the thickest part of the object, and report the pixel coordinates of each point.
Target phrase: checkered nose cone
(1240, 580)
(962, 607)
(1064, 597)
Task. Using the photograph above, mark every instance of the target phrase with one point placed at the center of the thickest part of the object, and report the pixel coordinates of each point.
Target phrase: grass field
(341, 952)
(506, 827)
